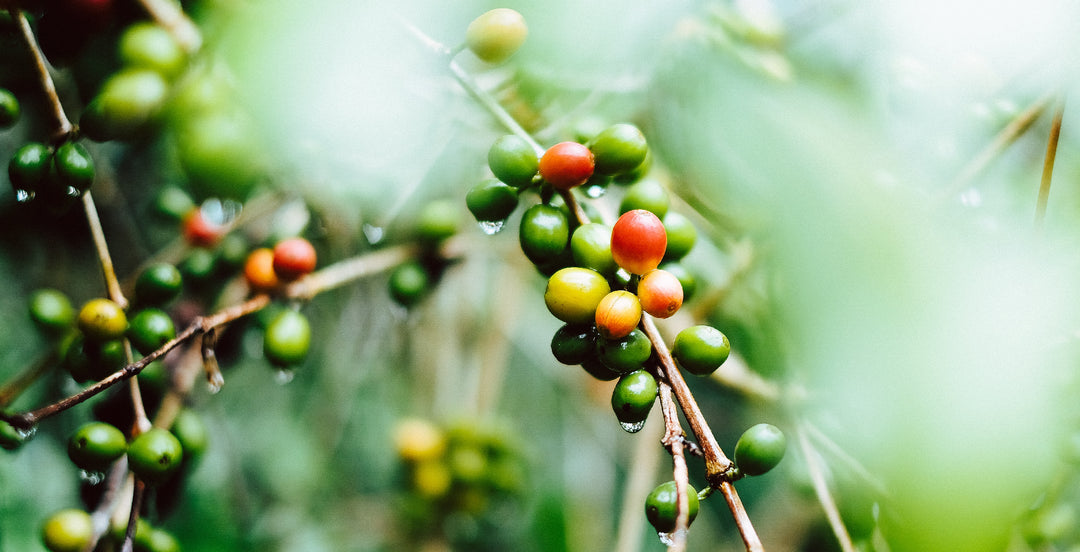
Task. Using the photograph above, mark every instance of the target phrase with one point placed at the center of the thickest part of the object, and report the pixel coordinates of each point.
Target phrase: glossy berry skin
(293, 258)
(513, 161)
(647, 194)
(544, 233)
(96, 445)
(149, 329)
(701, 349)
(259, 270)
(29, 167)
(681, 236)
(573, 293)
(74, 166)
(661, 506)
(590, 246)
(599, 370)
(625, 354)
(102, 320)
(638, 241)
(574, 343)
(566, 165)
(760, 449)
(67, 531)
(491, 200)
(155, 456)
(619, 148)
(660, 293)
(200, 231)
(51, 310)
(287, 339)
(496, 34)
(686, 278)
(633, 396)
(617, 314)
(409, 283)
(9, 108)
(158, 284)
(149, 46)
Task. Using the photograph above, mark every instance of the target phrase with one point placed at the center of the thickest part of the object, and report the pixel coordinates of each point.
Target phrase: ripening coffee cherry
(199, 230)
(28, 169)
(625, 354)
(51, 310)
(102, 320)
(149, 329)
(638, 241)
(491, 200)
(760, 449)
(566, 165)
(544, 233)
(574, 343)
(259, 270)
(154, 456)
(513, 161)
(496, 34)
(617, 314)
(418, 440)
(293, 258)
(701, 349)
(67, 531)
(686, 278)
(149, 46)
(660, 293)
(590, 246)
(633, 397)
(681, 236)
(96, 445)
(573, 293)
(9, 108)
(287, 339)
(662, 506)
(409, 283)
(619, 148)
(647, 194)
(74, 166)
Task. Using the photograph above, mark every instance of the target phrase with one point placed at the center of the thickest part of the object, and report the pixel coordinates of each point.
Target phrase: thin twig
(133, 519)
(61, 123)
(102, 247)
(492, 106)
(821, 489)
(1048, 164)
(673, 441)
(13, 388)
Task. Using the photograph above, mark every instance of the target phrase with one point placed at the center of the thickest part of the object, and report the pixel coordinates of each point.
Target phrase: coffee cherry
(544, 233)
(199, 266)
(156, 540)
(128, 101)
(513, 161)
(149, 329)
(51, 310)
(418, 440)
(409, 283)
(9, 108)
(10, 438)
(634, 396)
(199, 230)
(155, 456)
(647, 194)
(700, 350)
(496, 34)
(190, 430)
(158, 284)
(148, 46)
(760, 449)
(599, 370)
(287, 339)
(660, 293)
(102, 320)
(574, 343)
(617, 314)
(638, 241)
(686, 278)
(438, 220)
(491, 200)
(662, 505)
(74, 166)
(293, 258)
(619, 148)
(573, 294)
(625, 354)
(221, 155)
(28, 168)
(67, 531)
(681, 236)
(96, 445)
(259, 270)
(566, 165)
(590, 246)
(91, 361)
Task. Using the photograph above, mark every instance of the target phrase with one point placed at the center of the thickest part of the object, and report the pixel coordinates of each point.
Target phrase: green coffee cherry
(598, 370)
(9, 108)
(102, 320)
(74, 166)
(158, 284)
(544, 233)
(96, 445)
(10, 438)
(681, 236)
(496, 34)
(148, 46)
(190, 430)
(52, 311)
(574, 343)
(760, 449)
(491, 201)
(701, 349)
(287, 339)
(149, 329)
(128, 101)
(438, 220)
(28, 169)
(513, 161)
(573, 293)
(155, 456)
(661, 506)
(409, 283)
(619, 148)
(633, 398)
(591, 247)
(625, 354)
(221, 155)
(647, 194)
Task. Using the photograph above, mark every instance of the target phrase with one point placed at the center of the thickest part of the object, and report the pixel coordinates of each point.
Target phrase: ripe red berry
(201, 231)
(638, 241)
(566, 165)
(660, 293)
(293, 258)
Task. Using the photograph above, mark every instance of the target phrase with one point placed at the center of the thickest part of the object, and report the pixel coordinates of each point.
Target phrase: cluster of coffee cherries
(459, 480)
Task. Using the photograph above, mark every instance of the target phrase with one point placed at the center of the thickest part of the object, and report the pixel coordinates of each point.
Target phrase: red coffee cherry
(201, 231)
(638, 241)
(660, 293)
(566, 165)
(293, 258)
(617, 314)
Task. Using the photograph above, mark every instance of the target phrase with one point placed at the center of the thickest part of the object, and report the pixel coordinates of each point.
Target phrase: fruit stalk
(62, 123)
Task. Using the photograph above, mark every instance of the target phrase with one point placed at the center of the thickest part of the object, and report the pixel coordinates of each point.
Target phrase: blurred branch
(61, 123)
(13, 388)
(1048, 164)
(170, 16)
(821, 489)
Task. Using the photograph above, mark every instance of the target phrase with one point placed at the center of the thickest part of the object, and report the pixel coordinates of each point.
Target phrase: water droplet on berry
(283, 376)
(221, 212)
(490, 227)
(595, 190)
(632, 427)
(27, 433)
(24, 196)
(666, 538)
(374, 234)
(91, 477)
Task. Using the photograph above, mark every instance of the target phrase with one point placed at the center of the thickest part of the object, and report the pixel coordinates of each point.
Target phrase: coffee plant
(553, 276)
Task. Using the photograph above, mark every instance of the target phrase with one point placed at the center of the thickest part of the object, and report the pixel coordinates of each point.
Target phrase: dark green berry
(91, 360)
(28, 169)
(633, 397)
(661, 506)
(599, 370)
(74, 166)
(96, 445)
(574, 343)
(513, 161)
(591, 247)
(149, 329)
(701, 349)
(647, 194)
(618, 148)
(288, 338)
(155, 456)
(491, 201)
(52, 311)
(760, 449)
(9, 108)
(625, 354)
(409, 283)
(158, 284)
(544, 233)
(681, 236)
(199, 265)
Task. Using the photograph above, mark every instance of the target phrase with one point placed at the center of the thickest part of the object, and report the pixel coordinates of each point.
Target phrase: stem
(62, 125)
(821, 489)
(12, 389)
(133, 519)
(169, 15)
(142, 422)
(575, 207)
(1048, 164)
(674, 441)
(102, 247)
(489, 103)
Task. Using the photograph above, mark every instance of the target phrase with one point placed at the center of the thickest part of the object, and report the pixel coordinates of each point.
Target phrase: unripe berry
(496, 34)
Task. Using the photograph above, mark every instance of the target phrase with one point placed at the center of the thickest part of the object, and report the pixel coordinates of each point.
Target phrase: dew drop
(214, 383)
(24, 196)
(595, 190)
(27, 433)
(374, 234)
(491, 227)
(632, 427)
(666, 538)
(283, 376)
(92, 477)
